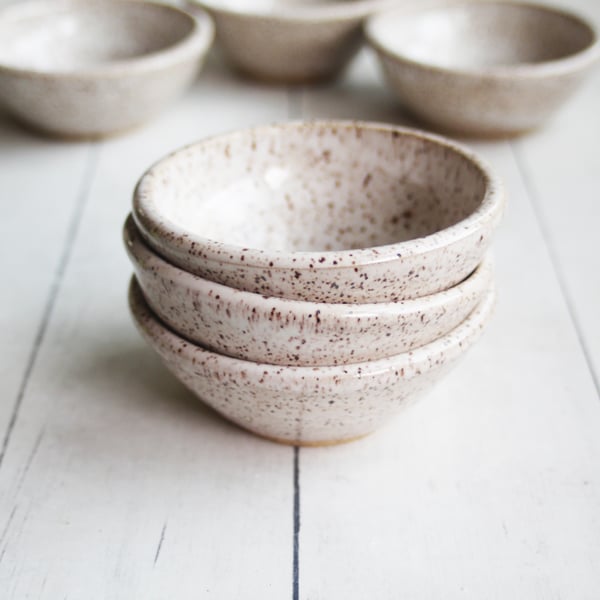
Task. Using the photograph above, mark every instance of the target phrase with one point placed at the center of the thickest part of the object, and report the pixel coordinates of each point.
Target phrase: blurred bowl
(91, 68)
(308, 405)
(322, 211)
(288, 332)
(483, 68)
(289, 40)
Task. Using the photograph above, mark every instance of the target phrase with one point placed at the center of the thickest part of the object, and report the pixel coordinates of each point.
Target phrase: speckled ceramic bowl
(91, 68)
(483, 68)
(288, 332)
(290, 41)
(308, 405)
(330, 211)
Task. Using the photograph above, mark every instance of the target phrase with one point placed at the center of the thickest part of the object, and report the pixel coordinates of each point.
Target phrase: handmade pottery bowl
(91, 68)
(483, 68)
(322, 211)
(288, 40)
(307, 405)
(289, 332)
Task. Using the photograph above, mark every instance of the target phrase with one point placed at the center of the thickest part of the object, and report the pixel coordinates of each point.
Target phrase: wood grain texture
(561, 166)
(36, 232)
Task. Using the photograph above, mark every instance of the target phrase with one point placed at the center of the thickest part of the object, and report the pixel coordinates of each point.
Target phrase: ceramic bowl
(322, 211)
(289, 332)
(308, 405)
(91, 68)
(289, 41)
(483, 68)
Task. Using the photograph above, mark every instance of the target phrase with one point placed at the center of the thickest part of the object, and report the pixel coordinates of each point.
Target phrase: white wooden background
(115, 484)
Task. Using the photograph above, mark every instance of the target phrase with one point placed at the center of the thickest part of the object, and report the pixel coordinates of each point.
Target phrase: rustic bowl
(329, 211)
(483, 68)
(91, 68)
(290, 41)
(308, 405)
(290, 332)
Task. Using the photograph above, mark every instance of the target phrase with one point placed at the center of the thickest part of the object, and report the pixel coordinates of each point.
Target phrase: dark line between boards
(296, 549)
(534, 196)
(89, 170)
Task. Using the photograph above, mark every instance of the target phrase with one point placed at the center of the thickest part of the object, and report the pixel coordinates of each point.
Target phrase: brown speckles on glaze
(308, 405)
(345, 241)
(277, 331)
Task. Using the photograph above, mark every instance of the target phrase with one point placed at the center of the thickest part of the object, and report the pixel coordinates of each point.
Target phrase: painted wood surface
(116, 484)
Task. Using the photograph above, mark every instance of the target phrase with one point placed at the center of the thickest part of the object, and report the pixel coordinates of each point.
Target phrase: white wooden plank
(40, 193)
(490, 487)
(561, 164)
(116, 484)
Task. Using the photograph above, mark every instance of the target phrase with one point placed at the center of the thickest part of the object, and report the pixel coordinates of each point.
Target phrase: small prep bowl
(288, 332)
(322, 211)
(289, 41)
(91, 68)
(483, 68)
(307, 405)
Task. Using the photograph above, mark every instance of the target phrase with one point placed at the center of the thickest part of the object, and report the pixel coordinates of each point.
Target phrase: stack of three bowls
(307, 279)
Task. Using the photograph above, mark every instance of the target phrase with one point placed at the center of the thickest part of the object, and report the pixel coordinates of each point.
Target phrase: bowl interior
(315, 187)
(65, 36)
(477, 35)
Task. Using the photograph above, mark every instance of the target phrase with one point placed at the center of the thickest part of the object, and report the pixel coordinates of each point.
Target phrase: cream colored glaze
(287, 332)
(323, 211)
(308, 405)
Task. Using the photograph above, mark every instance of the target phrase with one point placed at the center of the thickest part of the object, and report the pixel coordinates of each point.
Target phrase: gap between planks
(89, 170)
(535, 200)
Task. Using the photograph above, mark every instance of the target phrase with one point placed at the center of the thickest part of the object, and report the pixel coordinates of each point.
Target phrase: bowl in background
(483, 68)
(322, 211)
(290, 332)
(308, 405)
(288, 40)
(91, 68)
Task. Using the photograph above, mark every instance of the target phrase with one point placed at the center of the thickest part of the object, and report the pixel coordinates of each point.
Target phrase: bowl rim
(566, 64)
(143, 257)
(311, 14)
(162, 231)
(195, 43)
(407, 364)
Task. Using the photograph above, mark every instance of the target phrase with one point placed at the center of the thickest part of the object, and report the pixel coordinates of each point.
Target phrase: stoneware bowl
(308, 405)
(91, 68)
(329, 211)
(290, 332)
(290, 41)
(483, 68)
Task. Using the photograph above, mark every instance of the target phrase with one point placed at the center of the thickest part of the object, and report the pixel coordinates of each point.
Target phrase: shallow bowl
(92, 68)
(308, 405)
(290, 41)
(290, 332)
(322, 211)
(483, 68)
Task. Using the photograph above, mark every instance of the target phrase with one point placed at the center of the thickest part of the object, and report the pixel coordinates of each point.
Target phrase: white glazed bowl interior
(287, 332)
(481, 36)
(70, 36)
(308, 405)
(307, 197)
